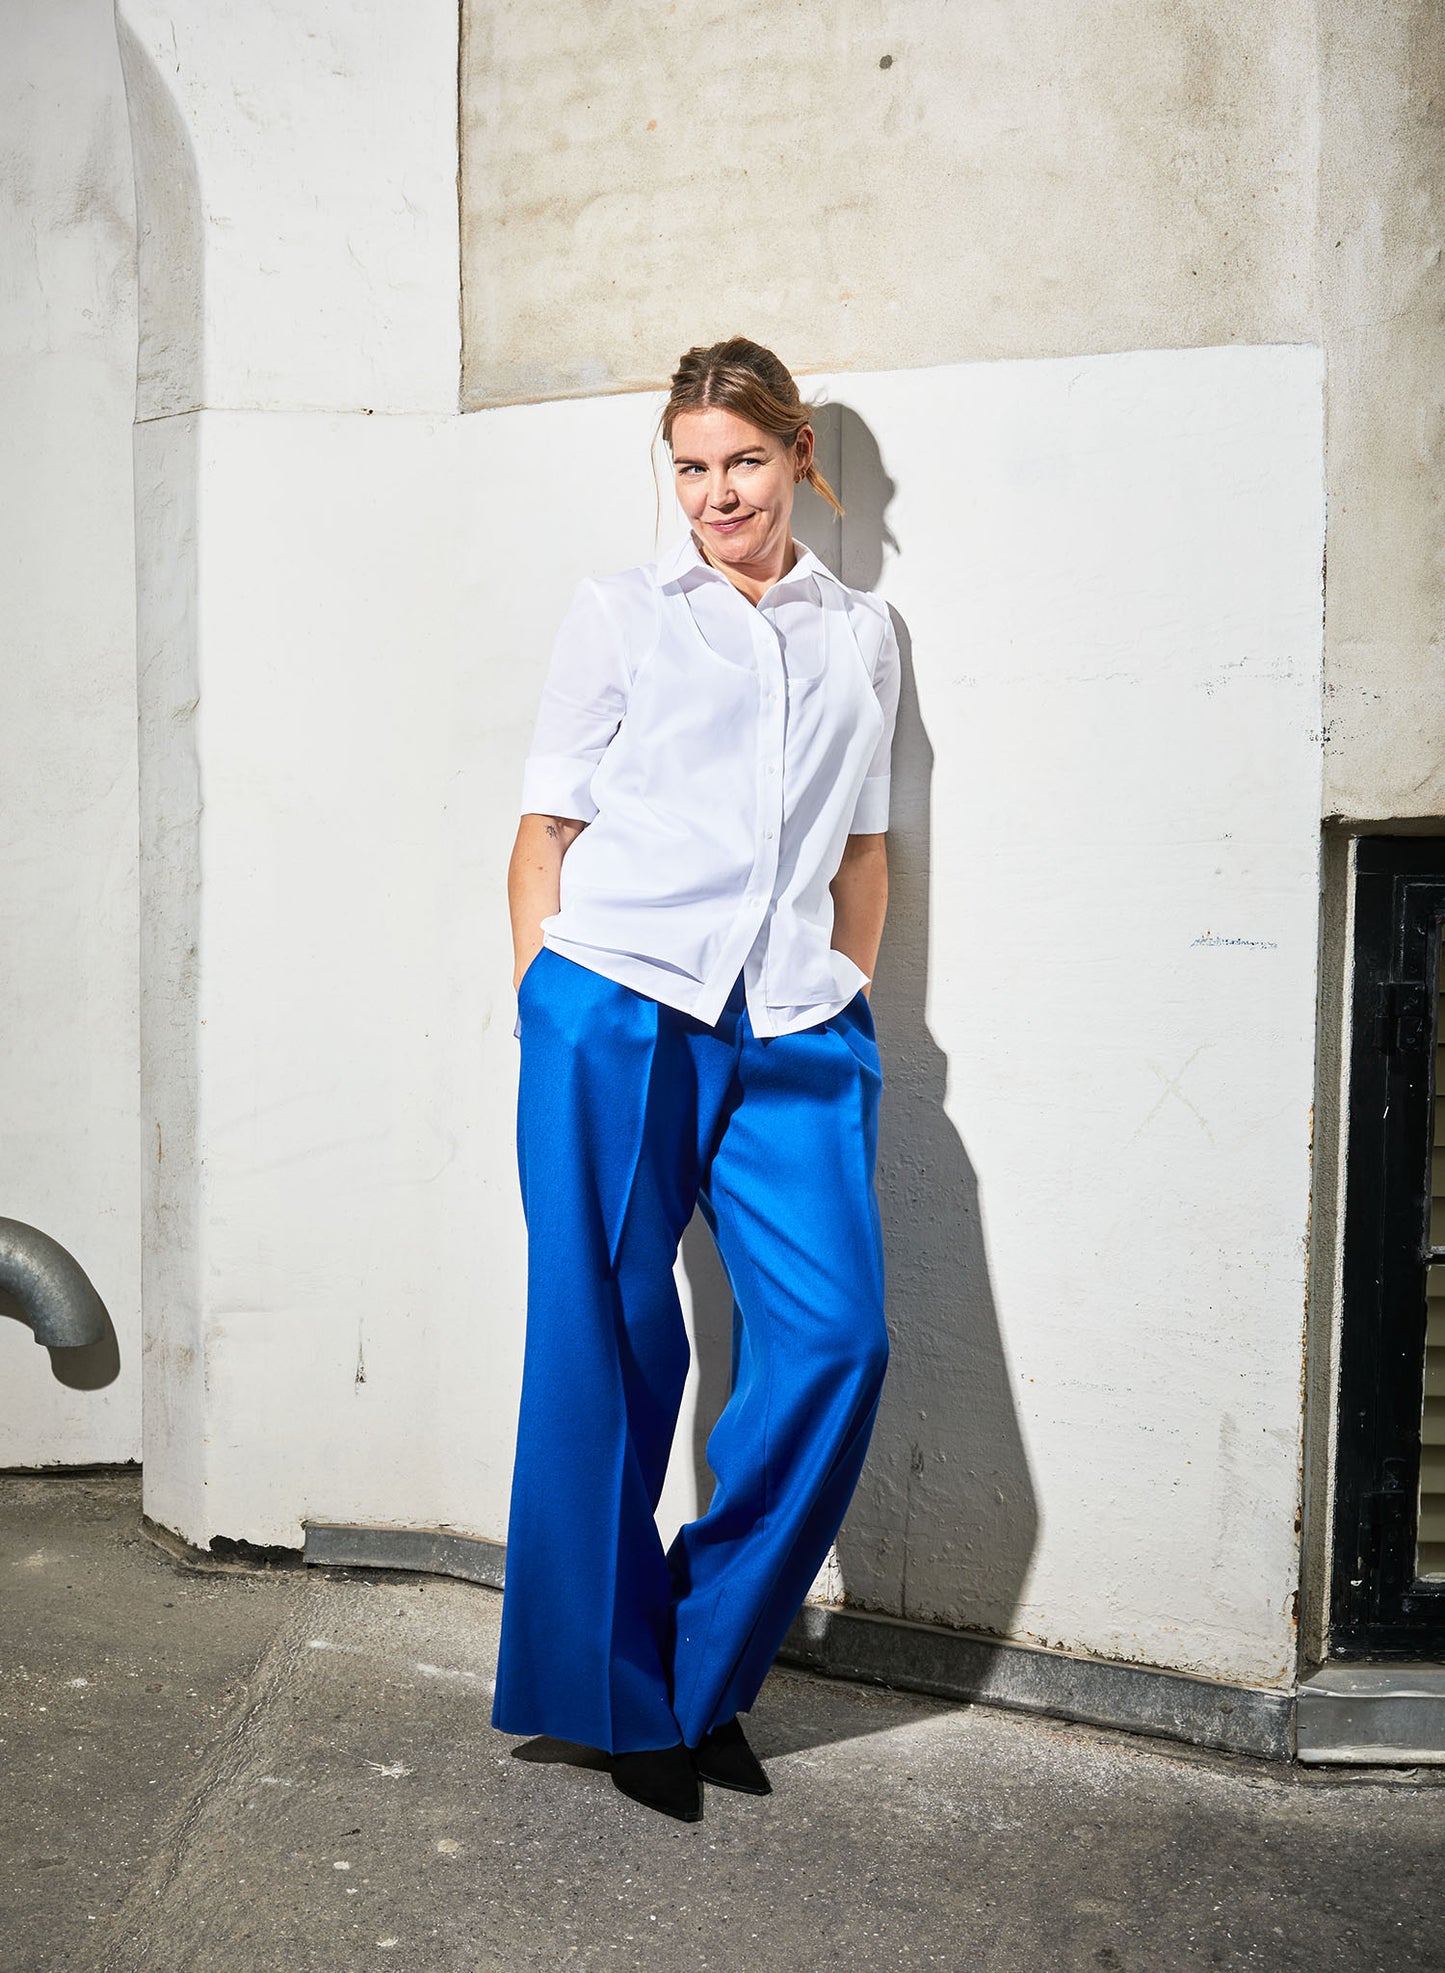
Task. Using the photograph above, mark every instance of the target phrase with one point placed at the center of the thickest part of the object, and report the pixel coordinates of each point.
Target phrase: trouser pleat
(629, 1115)
(788, 1190)
(586, 1620)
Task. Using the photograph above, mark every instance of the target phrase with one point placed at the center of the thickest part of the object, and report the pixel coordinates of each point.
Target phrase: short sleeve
(583, 699)
(870, 813)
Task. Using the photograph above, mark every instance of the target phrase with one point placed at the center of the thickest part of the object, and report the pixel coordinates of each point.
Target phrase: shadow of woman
(944, 1519)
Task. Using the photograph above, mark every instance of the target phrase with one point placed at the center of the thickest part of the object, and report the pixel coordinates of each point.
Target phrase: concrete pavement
(291, 1771)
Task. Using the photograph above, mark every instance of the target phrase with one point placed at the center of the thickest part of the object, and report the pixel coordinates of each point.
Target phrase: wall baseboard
(991, 1671)
(435, 1551)
(1361, 1714)
(911, 1657)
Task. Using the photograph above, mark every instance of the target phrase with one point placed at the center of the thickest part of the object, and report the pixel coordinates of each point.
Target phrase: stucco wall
(1097, 994)
(69, 1128)
(1102, 936)
(1382, 264)
(878, 183)
(295, 180)
(920, 181)
(296, 170)
(1094, 1000)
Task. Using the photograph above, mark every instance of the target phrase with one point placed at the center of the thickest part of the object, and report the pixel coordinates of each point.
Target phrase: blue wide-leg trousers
(630, 1115)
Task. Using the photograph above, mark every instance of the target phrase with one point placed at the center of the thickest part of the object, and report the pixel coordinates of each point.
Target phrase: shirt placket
(771, 713)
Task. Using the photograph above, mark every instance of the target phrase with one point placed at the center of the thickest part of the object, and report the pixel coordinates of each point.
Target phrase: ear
(803, 452)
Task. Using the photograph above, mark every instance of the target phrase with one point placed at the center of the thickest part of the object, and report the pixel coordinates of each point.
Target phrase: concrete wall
(296, 171)
(69, 1129)
(295, 175)
(875, 185)
(1382, 270)
(1095, 1007)
(1097, 990)
(1096, 995)
(878, 183)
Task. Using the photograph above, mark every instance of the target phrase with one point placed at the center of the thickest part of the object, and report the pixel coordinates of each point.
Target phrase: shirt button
(769, 834)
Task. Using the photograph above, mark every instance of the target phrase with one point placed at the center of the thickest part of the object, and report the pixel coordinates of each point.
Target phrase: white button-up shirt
(720, 754)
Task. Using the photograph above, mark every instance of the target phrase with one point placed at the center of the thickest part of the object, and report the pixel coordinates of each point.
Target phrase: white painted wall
(69, 1152)
(1096, 1154)
(1099, 1010)
(1096, 998)
(296, 166)
(938, 183)
(295, 172)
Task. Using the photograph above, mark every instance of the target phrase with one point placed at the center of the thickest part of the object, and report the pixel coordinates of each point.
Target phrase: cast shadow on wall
(944, 1521)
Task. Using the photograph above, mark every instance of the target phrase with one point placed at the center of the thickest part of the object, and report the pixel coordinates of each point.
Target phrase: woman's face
(735, 484)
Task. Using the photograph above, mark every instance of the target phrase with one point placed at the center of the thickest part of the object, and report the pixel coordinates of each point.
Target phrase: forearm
(534, 881)
(860, 901)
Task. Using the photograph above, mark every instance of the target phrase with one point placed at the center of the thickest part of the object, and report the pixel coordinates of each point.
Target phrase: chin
(735, 545)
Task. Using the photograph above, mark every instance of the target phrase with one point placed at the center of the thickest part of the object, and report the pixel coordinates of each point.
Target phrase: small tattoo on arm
(552, 831)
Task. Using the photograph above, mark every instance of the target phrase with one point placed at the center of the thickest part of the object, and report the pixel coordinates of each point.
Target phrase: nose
(720, 494)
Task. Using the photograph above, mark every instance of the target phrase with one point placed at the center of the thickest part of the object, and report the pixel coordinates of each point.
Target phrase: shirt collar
(683, 560)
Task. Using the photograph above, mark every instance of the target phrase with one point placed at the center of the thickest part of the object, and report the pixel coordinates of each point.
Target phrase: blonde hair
(748, 380)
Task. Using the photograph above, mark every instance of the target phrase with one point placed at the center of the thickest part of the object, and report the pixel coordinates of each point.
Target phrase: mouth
(731, 525)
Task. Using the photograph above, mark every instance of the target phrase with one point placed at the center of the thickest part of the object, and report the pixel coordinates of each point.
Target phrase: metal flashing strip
(892, 1651)
(991, 1671)
(435, 1551)
(1377, 1715)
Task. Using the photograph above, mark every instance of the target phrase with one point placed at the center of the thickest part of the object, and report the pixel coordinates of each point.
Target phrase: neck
(753, 579)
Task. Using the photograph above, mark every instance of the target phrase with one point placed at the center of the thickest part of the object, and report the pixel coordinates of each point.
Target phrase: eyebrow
(743, 452)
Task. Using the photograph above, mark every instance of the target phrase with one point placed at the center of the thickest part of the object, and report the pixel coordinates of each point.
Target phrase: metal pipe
(51, 1287)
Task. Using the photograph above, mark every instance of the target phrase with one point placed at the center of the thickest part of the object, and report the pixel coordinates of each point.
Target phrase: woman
(697, 895)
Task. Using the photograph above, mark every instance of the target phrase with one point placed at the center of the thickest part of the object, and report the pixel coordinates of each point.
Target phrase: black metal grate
(1387, 1597)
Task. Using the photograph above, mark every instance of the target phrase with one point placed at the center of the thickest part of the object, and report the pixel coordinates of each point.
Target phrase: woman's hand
(534, 881)
(860, 901)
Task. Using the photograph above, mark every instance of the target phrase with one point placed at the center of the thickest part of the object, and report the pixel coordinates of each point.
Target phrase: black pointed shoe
(725, 1758)
(661, 1778)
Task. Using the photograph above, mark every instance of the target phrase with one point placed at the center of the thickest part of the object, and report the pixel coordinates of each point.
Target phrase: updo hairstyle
(748, 380)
